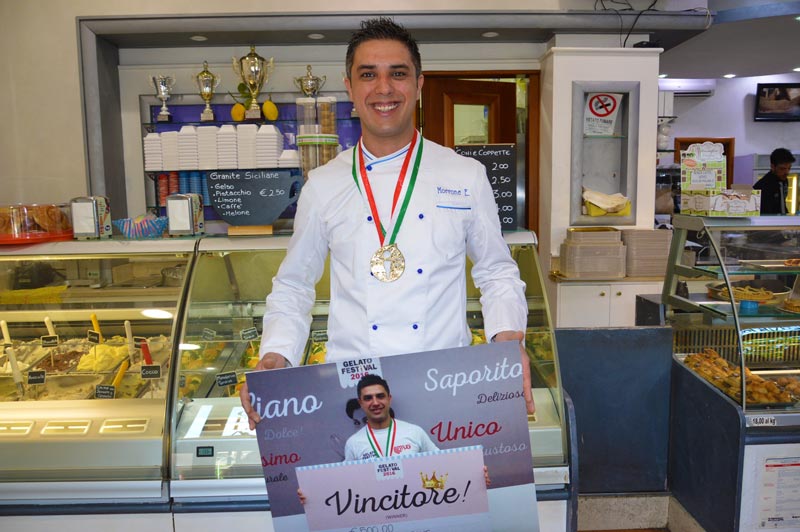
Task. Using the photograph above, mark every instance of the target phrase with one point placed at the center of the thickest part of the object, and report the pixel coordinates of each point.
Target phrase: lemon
(270, 110)
(237, 112)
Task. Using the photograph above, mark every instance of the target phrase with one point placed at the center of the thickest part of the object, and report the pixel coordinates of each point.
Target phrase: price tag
(36, 377)
(209, 334)
(104, 391)
(93, 336)
(49, 341)
(762, 421)
(226, 379)
(249, 333)
(151, 372)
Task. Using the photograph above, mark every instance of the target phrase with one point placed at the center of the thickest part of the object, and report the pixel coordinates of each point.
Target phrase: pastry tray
(769, 265)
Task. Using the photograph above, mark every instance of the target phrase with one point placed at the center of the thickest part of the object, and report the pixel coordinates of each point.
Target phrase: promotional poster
(437, 490)
(461, 397)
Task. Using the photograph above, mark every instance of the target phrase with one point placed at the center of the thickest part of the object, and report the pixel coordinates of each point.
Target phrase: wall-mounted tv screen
(778, 101)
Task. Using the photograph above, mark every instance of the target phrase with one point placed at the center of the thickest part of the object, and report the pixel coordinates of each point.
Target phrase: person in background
(399, 216)
(775, 183)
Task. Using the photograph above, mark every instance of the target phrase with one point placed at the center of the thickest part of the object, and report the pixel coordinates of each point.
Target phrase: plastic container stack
(647, 251)
(596, 253)
(317, 140)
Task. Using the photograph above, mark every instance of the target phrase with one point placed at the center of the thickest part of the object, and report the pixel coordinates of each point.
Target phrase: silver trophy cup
(163, 85)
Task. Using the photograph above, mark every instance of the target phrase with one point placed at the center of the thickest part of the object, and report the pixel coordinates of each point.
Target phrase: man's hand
(485, 477)
(268, 361)
(519, 337)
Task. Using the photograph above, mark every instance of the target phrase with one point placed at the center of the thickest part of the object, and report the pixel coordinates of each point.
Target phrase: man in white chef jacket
(399, 215)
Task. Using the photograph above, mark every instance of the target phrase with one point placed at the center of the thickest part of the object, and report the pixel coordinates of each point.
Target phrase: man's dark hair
(382, 28)
(372, 380)
(781, 156)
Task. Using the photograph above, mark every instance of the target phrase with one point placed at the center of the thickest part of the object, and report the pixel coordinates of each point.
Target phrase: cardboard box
(725, 202)
(703, 167)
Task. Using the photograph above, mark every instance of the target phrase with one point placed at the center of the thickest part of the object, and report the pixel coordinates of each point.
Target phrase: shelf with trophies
(192, 139)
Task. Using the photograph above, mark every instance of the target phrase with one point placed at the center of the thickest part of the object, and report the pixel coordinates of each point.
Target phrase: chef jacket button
(415, 326)
(369, 168)
(419, 270)
(421, 216)
(374, 327)
(369, 218)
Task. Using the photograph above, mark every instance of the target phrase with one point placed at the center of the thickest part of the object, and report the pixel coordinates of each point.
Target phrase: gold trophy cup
(163, 85)
(254, 71)
(309, 84)
(207, 82)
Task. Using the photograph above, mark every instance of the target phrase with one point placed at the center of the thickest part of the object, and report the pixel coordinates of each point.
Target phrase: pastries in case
(35, 223)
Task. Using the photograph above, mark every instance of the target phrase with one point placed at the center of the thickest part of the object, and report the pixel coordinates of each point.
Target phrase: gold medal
(387, 254)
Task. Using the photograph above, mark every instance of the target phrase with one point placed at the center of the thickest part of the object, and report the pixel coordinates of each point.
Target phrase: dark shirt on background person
(773, 194)
(774, 184)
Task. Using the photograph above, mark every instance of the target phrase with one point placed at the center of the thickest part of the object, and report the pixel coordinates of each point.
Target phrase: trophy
(254, 71)
(163, 85)
(207, 82)
(310, 85)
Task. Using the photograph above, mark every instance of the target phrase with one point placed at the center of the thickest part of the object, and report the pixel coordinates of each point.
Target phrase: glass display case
(84, 373)
(735, 408)
(758, 335)
(214, 452)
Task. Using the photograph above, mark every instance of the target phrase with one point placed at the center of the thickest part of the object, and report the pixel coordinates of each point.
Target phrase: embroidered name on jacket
(452, 198)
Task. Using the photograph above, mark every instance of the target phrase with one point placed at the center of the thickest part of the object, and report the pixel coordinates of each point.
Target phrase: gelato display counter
(84, 383)
(162, 436)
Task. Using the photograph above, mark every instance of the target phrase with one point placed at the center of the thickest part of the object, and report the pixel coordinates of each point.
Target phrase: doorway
(497, 107)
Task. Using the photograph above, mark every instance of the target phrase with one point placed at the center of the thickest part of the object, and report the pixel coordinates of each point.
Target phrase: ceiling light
(729, 76)
(198, 38)
(662, 76)
(796, 69)
(490, 34)
(315, 36)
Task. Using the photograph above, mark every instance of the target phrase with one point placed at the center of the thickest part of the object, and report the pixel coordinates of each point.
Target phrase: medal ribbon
(367, 189)
(390, 435)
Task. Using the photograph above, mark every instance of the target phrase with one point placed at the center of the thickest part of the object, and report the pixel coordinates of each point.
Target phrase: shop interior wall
(290, 62)
(42, 152)
(729, 113)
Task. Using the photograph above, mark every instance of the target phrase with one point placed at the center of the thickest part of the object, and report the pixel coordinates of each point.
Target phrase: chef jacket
(451, 215)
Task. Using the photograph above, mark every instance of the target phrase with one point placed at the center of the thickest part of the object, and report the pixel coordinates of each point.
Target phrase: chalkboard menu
(500, 161)
(253, 197)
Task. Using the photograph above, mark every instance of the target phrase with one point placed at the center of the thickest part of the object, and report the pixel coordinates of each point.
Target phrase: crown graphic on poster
(433, 483)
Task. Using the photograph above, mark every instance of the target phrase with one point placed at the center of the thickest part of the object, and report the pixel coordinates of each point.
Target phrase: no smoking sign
(602, 105)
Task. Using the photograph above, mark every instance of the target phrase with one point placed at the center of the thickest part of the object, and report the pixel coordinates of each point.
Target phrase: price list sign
(253, 197)
(500, 161)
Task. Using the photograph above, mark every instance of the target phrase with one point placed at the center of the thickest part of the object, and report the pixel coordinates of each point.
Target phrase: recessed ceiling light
(315, 36)
(662, 76)
(796, 69)
(198, 38)
(490, 34)
(729, 76)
